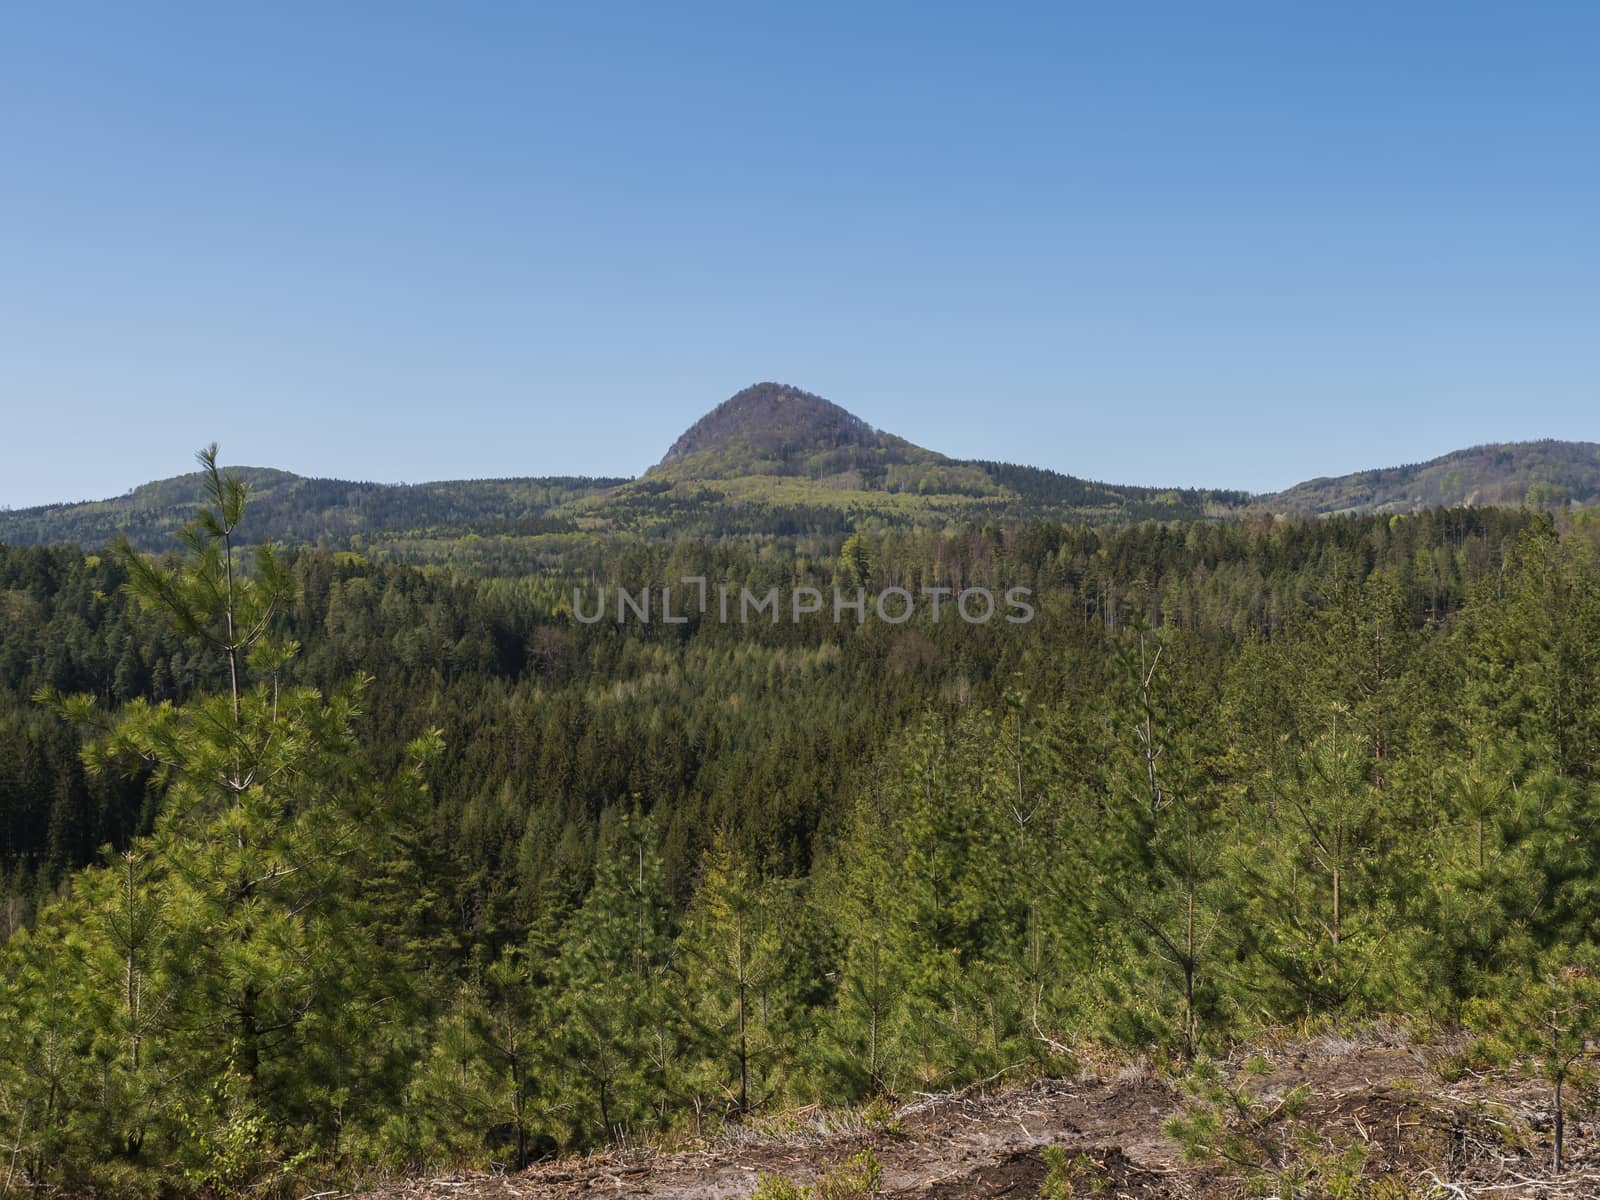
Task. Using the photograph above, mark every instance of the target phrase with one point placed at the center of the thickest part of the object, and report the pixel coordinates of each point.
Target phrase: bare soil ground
(1474, 1136)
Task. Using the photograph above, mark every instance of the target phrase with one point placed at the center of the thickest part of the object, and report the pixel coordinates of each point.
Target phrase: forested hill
(295, 509)
(773, 460)
(1545, 474)
(776, 429)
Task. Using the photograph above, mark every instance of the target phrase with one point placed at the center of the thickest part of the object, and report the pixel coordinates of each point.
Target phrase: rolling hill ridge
(775, 459)
(1545, 473)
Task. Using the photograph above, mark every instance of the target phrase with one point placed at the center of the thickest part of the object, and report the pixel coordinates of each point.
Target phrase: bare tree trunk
(744, 1049)
(1188, 979)
(1560, 1127)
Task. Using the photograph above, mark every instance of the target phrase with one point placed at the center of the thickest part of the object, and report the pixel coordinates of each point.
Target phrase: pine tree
(616, 987)
(1550, 1018)
(1317, 911)
(45, 1082)
(731, 954)
(486, 1077)
(121, 944)
(233, 937)
(1164, 881)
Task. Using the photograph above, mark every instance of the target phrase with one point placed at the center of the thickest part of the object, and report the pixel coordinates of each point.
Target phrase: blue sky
(1169, 244)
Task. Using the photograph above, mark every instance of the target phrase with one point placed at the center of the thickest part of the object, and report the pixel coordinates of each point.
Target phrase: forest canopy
(316, 864)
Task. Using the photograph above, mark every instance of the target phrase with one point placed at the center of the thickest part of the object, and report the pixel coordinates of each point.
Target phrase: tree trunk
(744, 1056)
(249, 1035)
(1560, 1128)
(1189, 1029)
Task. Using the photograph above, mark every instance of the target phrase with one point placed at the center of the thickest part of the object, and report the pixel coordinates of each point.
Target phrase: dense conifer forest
(315, 864)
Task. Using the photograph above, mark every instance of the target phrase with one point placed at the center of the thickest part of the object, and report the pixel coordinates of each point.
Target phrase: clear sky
(1155, 243)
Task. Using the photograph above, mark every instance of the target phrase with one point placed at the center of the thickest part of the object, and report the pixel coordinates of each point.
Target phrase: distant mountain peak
(778, 429)
(777, 460)
(775, 423)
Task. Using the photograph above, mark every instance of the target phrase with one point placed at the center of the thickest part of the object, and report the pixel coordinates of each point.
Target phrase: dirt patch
(1482, 1136)
(1096, 1171)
